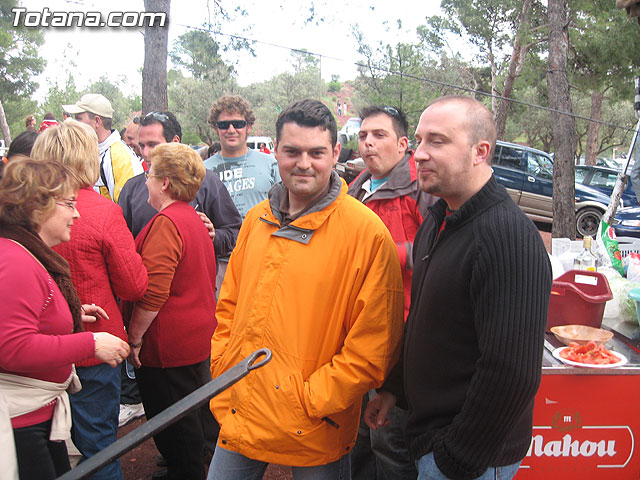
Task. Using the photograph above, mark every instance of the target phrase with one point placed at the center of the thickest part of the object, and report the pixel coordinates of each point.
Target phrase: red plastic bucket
(578, 297)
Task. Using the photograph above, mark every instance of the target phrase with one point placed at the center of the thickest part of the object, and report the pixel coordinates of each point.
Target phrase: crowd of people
(405, 312)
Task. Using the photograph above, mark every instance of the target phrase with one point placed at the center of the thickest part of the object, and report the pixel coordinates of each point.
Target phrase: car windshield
(539, 165)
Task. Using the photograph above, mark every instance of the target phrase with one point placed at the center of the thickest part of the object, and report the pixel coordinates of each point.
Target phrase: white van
(254, 143)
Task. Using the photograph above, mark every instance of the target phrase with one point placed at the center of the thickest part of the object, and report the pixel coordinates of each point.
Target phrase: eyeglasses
(237, 124)
(69, 203)
(149, 175)
(136, 119)
(391, 111)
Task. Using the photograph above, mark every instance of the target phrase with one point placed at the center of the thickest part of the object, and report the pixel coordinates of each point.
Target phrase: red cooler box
(578, 298)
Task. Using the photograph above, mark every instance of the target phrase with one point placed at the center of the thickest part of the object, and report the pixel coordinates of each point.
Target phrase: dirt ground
(139, 463)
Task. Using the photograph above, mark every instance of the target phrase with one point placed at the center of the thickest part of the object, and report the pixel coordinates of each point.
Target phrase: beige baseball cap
(93, 103)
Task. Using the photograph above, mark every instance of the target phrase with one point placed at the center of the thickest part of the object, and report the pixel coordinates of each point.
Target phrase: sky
(118, 53)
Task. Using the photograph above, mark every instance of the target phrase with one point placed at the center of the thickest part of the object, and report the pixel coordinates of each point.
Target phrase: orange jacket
(330, 310)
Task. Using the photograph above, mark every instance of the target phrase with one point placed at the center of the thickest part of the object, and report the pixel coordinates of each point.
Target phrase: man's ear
(481, 151)
(403, 144)
(175, 139)
(336, 152)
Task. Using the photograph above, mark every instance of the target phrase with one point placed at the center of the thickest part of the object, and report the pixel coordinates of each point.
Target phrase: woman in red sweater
(40, 311)
(171, 327)
(104, 264)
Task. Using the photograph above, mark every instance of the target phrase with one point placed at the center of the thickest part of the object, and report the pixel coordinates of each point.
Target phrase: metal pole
(623, 177)
(171, 415)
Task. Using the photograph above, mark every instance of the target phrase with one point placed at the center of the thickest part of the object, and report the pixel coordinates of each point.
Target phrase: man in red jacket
(388, 186)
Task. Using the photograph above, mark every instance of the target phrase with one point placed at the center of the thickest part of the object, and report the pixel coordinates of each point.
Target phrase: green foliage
(393, 75)
(197, 52)
(57, 96)
(20, 61)
(190, 99)
(334, 85)
(270, 97)
(112, 90)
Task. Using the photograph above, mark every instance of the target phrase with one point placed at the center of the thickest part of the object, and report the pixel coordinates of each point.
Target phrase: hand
(208, 224)
(375, 415)
(134, 358)
(110, 349)
(91, 313)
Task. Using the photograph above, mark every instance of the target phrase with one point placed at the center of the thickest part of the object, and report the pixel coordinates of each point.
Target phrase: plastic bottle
(586, 260)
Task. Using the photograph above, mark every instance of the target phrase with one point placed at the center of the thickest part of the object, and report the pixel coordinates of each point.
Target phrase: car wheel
(587, 221)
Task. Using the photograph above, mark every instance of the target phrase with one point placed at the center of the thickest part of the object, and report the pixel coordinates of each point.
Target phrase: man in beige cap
(118, 163)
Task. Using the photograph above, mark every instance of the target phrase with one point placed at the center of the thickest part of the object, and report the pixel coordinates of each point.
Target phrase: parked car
(604, 179)
(254, 143)
(527, 174)
(626, 223)
(350, 128)
(350, 169)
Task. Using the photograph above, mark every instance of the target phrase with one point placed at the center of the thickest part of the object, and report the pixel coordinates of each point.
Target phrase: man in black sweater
(474, 336)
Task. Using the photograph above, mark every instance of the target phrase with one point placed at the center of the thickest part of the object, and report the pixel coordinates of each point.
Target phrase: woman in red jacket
(104, 264)
(40, 310)
(171, 327)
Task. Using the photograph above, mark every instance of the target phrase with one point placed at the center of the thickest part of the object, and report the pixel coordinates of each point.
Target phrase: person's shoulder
(213, 161)
(258, 155)
(360, 216)
(16, 258)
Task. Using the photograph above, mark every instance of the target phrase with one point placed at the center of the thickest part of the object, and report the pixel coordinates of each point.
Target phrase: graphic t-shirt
(248, 178)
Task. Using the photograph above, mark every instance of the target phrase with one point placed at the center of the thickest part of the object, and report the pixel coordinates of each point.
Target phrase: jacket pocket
(292, 388)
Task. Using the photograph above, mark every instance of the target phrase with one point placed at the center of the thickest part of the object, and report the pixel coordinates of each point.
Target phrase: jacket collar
(489, 195)
(315, 214)
(402, 181)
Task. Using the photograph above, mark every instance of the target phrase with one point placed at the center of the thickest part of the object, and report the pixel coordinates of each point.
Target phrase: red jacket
(400, 204)
(103, 261)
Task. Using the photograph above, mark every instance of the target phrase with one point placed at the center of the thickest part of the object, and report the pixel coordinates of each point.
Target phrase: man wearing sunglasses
(248, 174)
(389, 186)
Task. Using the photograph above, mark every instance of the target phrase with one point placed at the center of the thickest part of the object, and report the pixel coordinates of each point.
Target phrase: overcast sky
(119, 52)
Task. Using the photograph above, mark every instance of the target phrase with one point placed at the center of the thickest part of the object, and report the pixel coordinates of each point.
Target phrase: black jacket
(475, 333)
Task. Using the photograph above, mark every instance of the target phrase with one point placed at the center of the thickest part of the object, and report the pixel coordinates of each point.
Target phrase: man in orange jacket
(314, 277)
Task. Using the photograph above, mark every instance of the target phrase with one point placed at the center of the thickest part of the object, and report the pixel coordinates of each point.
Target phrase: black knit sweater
(475, 333)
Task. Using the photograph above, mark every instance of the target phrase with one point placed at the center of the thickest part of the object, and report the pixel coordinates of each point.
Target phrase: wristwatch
(135, 345)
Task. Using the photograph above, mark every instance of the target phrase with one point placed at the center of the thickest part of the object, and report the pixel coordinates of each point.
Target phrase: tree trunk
(4, 126)
(516, 64)
(494, 90)
(154, 72)
(564, 133)
(593, 134)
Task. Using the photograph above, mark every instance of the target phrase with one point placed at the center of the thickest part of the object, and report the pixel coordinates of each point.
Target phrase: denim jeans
(94, 411)
(393, 460)
(228, 465)
(428, 470)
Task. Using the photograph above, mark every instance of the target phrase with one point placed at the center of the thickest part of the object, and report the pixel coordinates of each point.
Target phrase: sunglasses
(391, 111)
(237, 124)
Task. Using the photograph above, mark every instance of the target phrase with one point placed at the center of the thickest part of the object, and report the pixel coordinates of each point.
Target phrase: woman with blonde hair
(171, 327)
(104, 264)
(40, 319)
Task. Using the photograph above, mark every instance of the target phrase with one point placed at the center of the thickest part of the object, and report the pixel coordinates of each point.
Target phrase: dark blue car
(604, 179)
(527, 174)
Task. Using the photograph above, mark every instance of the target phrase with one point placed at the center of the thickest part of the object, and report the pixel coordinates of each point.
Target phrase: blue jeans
(228, 465)
(94, 411)
(393, 459)
(428, 470)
